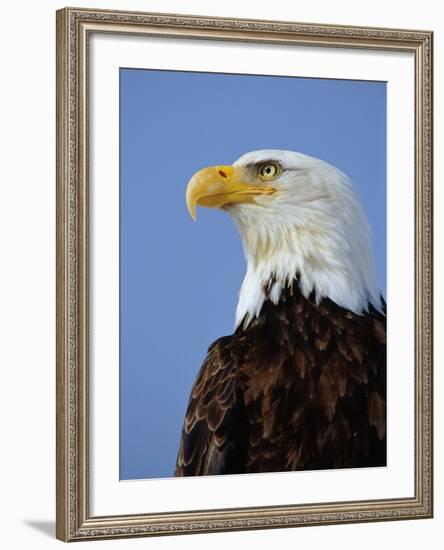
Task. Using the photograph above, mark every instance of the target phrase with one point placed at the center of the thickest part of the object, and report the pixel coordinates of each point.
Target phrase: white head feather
(312, 228)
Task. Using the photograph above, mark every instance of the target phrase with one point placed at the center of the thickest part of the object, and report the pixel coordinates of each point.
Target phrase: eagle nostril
(223, 174)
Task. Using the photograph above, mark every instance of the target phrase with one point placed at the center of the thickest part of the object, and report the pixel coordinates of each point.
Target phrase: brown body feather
(303, 387)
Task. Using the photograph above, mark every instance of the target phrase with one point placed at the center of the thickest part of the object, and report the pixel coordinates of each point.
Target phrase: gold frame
(73, 28)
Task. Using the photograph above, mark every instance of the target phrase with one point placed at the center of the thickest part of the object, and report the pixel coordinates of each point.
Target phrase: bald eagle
(301, 383)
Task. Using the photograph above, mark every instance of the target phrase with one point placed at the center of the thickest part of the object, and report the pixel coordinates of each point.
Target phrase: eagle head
(300, 221)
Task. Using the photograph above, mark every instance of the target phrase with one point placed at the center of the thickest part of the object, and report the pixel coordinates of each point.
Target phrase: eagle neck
(319, 264)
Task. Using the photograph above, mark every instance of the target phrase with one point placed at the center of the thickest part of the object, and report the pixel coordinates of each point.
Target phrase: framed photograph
(244, 274)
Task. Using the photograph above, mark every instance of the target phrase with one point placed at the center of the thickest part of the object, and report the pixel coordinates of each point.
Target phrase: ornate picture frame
(75, 28)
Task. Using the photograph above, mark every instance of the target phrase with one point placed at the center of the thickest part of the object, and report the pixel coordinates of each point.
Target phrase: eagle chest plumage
(302, 387)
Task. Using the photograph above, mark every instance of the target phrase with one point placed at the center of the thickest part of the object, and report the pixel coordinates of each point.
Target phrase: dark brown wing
(214, 435)
(352, 391)
(315, 386)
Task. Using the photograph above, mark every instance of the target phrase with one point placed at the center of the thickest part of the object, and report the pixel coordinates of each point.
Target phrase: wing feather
(214, 435)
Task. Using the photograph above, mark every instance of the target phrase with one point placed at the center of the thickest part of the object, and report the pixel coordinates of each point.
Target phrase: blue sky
(180, 279)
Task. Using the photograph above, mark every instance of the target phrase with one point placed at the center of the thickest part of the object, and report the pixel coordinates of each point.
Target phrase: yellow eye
(269, 170)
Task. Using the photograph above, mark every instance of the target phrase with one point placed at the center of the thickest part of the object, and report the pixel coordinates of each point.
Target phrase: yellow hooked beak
(219, 186)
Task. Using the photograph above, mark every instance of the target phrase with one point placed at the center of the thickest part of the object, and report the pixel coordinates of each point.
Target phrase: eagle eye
(269, 170)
